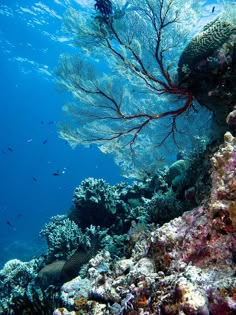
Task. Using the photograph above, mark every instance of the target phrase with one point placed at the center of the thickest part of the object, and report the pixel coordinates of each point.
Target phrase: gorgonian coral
(124, 81)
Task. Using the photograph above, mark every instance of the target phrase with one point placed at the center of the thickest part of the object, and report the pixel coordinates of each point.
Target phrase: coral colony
(165, 244)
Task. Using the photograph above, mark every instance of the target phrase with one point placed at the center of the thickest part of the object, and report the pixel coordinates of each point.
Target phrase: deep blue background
(30, 106)
(29, 110)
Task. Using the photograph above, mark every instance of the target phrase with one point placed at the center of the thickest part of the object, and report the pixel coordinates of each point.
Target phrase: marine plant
(127, 79)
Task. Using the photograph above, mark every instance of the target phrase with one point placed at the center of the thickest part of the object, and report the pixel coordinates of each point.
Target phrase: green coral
(114, 207)
(97, 192)
(99, 203)
(212, 37)
(62, 236)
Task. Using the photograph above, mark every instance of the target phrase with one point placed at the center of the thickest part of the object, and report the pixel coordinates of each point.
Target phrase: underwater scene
(118, 157)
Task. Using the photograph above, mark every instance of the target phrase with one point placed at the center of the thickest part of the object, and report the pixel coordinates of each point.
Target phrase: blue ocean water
(38, 171)
(31, 153)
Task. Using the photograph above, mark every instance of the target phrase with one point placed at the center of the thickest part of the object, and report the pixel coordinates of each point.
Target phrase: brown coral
(81, 304)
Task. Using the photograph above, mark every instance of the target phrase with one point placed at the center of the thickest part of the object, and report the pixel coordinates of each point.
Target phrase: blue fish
(57, 173)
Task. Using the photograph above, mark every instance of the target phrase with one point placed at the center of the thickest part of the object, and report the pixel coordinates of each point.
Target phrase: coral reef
(35, 302)
(185, 266)
(133, 255)
(134, 249)
(115, 207)
(81, 256)
(77, 287)
(101, 201)
(60, 271)
(96, 202)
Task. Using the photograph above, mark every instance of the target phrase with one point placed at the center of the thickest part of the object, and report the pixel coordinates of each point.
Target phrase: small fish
(19, 216)
(29, 140)
(51, 122)
(213, 9)
(10, 149)
(9, 223)
(45, 141)
(34, 179)
(57, 173)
